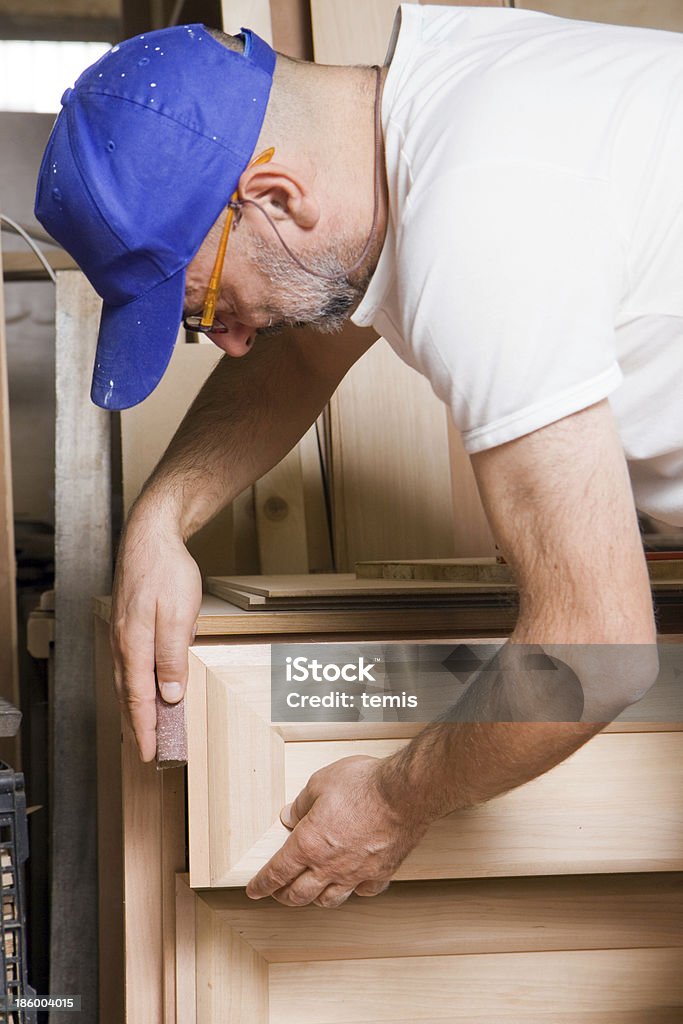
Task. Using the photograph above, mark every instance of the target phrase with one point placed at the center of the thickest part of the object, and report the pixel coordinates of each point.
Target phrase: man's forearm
(529, 707)
(249, 414)
(455, 765)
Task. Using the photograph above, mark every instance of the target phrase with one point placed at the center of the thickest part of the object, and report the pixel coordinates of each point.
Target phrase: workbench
(567, 892)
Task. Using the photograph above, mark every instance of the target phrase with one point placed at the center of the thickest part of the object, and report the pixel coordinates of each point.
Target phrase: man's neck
(336, 136)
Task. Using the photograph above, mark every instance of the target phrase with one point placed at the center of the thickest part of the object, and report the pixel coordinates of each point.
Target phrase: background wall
(30, 325)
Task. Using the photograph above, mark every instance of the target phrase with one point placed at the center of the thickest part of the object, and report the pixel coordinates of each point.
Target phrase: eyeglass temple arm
(214, 282)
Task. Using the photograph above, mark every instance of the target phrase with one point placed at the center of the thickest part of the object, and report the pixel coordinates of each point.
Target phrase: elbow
(615, 677)
(639, 669)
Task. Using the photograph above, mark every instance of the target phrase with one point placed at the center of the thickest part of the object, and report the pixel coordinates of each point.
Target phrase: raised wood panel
(613, 806)
(452, 989)
(439, 952)
(473, 916)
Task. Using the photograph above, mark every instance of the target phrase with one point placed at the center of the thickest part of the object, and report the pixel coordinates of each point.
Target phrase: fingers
(301, 891)
(308, 888)
(135, 685)
(291, 815)
(372, 888)
(280, 871)
(333, 896)
(173, 636)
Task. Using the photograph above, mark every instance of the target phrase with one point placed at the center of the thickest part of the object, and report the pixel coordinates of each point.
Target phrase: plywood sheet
(281, 517)
(390, 493)
(346, 586)
(220, 618)
(660, 568)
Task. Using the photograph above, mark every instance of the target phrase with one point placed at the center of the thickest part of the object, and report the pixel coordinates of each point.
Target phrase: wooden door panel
(613, 806)
(494, 950)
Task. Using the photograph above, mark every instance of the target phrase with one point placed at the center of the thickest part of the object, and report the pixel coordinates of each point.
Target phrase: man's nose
(236, 341)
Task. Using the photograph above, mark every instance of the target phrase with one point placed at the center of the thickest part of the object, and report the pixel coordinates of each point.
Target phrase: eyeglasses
(206, 322)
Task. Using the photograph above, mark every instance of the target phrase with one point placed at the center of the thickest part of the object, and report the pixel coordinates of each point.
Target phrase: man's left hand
(345, 838)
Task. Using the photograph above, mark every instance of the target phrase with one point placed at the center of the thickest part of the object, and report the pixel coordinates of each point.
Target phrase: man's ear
(284, 193)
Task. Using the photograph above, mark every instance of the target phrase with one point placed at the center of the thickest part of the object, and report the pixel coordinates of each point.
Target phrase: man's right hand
(156, 600)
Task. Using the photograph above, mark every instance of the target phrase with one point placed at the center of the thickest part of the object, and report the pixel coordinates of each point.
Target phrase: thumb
(291, 815)
(170, 656)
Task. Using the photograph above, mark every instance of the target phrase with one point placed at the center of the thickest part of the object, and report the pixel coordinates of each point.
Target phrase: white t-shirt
(533, 263)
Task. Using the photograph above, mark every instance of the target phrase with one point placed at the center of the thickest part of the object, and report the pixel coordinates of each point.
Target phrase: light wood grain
(346, 586)
(281, 517)
(143, 895)
(291, 24)
(667, 14)
(197, 790)
(254, 14)
(185, 953)
(390, 494)
(232, 978)
(141, 843)
(246, 777)
(110, 836)
(484, 569)
(222, 619)
(454, 988)
(472, 533)
(466, 917)
(172, 853)
(318, 524)
(379, 472)
(337, 34)
(445, 952)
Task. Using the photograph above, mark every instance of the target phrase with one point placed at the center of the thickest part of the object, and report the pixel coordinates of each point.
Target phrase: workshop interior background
(245, 539)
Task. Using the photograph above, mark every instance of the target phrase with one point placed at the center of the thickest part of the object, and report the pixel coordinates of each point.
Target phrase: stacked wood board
(344, 590)
(330, 602)
(662, 567)
(469, 581)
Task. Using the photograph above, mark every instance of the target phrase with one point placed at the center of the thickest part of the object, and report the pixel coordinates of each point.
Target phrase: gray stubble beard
(308, 300)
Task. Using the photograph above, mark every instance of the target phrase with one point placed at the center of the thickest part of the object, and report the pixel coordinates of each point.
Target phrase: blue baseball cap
(143, 157)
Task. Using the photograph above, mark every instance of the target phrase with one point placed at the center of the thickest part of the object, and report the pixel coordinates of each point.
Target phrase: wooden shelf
(25, 266)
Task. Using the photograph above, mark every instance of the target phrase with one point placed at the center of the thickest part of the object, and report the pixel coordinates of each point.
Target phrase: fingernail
(171, 692)
(286, 816)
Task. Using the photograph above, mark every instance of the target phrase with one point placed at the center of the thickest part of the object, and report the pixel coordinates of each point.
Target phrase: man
(522, 247)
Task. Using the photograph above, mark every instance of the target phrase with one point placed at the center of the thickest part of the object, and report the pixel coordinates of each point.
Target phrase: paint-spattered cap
(143, 157)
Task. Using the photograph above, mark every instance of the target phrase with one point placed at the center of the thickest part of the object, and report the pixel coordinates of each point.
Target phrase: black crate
(13, 854)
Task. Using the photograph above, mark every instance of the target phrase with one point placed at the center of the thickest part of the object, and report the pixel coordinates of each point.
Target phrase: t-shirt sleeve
(511, 276)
